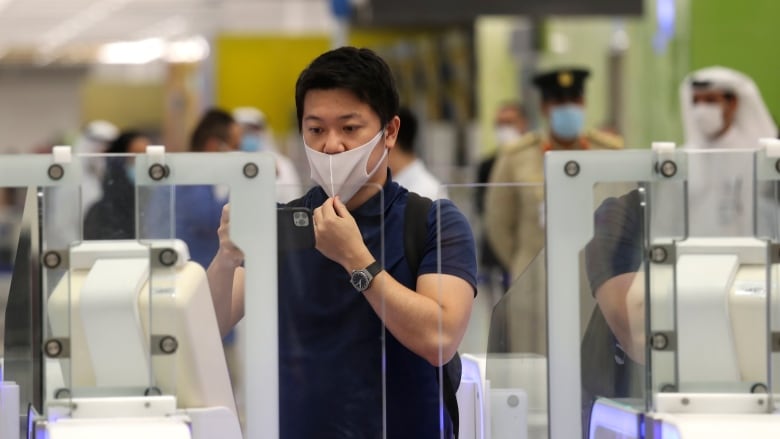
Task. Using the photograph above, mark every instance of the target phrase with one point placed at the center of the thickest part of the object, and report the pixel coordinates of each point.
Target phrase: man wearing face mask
(515, 214)
(361, 332)
(722, 109)
(256, 136)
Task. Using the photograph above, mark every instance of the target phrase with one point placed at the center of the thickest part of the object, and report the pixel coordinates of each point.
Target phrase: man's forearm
(220, 275)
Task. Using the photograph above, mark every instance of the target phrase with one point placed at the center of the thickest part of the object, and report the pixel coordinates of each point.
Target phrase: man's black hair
(407, 133)
(361, 71)
(121, 144)
(214, 123)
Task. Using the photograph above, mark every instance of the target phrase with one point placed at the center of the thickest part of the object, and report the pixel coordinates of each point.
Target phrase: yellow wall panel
(261, 70)
(138, 106)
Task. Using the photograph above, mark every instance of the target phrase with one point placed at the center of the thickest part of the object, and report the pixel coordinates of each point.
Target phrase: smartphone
(294, 228)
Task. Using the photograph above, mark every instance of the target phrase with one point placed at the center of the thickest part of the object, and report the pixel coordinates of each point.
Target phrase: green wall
(742, 35)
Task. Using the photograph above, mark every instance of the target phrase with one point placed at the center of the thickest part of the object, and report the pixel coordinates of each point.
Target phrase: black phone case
(294, 228)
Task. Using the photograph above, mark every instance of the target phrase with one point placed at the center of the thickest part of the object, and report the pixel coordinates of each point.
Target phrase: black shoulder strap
(415, 235)
(298, 202)
(415, 229)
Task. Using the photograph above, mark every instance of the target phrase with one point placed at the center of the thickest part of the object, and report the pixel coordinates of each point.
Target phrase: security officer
(515, 214)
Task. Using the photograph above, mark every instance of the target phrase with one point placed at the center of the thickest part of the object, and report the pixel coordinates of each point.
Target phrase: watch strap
(374, 268)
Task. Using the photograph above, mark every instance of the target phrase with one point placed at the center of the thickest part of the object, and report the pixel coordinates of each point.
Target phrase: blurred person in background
(63, 222)
(257, 136)
(94, 139)
(722, 109)
(197, 209)
(511, 123)
(514, 215)
(407, 169)
(113, 215)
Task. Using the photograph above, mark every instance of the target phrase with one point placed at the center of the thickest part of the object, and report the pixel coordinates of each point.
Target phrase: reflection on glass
(612, 349)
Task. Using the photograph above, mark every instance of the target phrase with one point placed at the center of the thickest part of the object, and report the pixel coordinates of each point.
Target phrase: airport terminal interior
(413, 219)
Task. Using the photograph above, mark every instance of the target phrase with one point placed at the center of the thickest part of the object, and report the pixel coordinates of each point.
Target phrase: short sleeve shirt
(342, 375)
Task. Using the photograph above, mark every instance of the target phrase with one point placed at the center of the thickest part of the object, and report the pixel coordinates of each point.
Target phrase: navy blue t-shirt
(331, 350)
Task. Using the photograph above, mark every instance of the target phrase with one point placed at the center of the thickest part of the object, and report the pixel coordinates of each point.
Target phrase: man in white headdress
(722, 109)
(257, 136)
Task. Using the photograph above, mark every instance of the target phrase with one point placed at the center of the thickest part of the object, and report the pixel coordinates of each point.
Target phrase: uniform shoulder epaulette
(526, 140)
(605, 140)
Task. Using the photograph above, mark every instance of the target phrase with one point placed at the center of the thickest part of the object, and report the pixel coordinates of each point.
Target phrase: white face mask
(506, 134)
(708, 118)
(343, 174)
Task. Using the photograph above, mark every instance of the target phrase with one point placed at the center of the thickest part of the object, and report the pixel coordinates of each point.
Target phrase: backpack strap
(415, 235)
(298, 202)
(415, 229)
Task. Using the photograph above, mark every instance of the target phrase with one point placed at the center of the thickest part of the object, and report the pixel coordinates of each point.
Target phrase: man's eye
(315, 130)
(350, 128)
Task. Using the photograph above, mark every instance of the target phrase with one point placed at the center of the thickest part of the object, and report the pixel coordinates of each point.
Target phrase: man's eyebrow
(342, 117)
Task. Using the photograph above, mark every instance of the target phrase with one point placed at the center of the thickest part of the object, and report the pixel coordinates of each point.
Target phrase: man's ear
(391, 132)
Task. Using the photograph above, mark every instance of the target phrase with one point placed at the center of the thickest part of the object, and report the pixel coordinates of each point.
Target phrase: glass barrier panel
(20, 307)
(612, 360)
(502, 390)
(24, 179)
(345, 366)
(721, 261)
(179, 210)
(768, 228)
(61, 215)
(595, 239)
(99, 341)
(664, 210)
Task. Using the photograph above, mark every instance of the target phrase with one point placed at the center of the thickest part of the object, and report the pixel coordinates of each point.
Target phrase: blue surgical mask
(251, 143)
(567, 121)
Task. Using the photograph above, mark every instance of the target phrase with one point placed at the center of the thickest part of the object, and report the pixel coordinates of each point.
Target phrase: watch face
(360, 280)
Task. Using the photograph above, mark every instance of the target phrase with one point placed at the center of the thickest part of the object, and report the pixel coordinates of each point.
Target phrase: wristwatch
(361, 279)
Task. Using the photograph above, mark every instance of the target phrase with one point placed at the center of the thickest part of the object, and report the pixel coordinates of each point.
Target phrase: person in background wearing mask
(511, 123)
(113, 216)
(360, 334)
(722, 109)
(409, 170)
(257, 136)
(515, 214)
